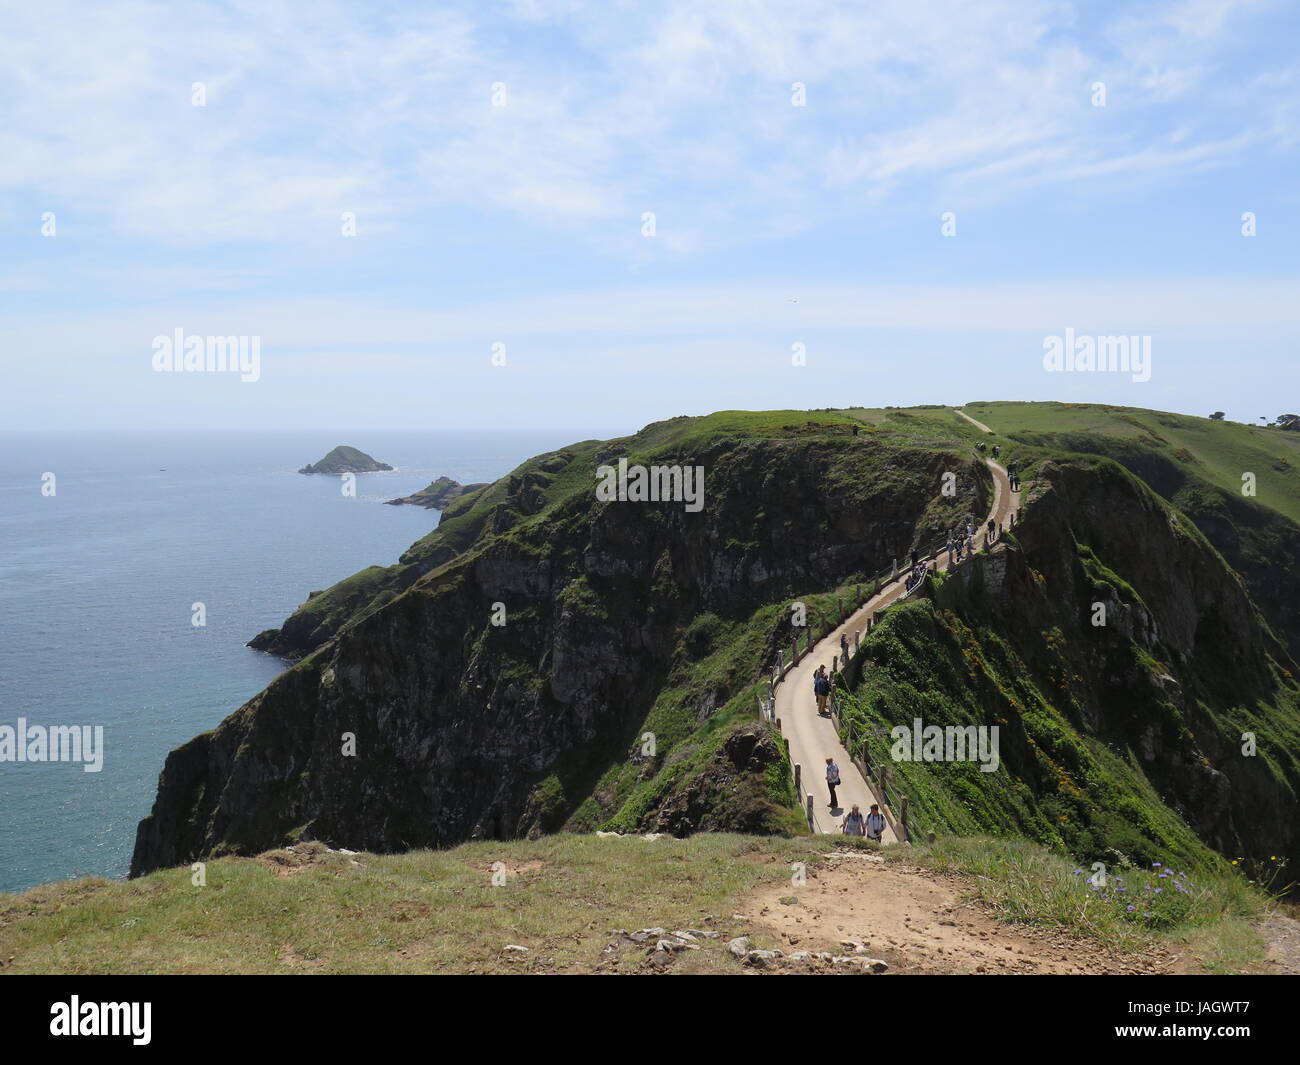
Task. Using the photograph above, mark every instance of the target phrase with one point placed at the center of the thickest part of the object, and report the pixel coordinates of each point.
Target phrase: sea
(113, 546)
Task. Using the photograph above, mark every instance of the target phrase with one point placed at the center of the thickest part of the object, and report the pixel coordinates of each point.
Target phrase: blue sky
(521, 224)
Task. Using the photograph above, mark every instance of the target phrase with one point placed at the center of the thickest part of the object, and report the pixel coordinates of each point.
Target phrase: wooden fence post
(902, 815)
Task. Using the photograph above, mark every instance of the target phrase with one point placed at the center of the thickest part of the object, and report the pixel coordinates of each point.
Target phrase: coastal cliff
(545, 660)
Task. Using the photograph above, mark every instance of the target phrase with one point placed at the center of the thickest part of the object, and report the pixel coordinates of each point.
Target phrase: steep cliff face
(512, 658)
(1124, 663)
(546, 660)
(1257, 541)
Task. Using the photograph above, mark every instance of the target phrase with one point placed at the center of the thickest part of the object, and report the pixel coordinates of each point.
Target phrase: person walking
(844, 650)
(832, 780)
(875, 823)
(855, 824)
(821, 689)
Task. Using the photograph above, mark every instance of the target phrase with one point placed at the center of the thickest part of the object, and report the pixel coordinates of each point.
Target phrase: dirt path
(978, 425)
(1283, 937)
(813, 738)
(916, 920)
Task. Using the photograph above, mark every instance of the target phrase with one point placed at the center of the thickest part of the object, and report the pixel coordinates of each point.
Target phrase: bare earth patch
(1283, 937)
(916, 920)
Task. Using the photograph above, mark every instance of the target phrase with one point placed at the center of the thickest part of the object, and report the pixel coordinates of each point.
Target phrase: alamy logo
(103, 1018)
(58, 743)
(920, 742)
(179, 353)
(654, 484)
(1085, 353)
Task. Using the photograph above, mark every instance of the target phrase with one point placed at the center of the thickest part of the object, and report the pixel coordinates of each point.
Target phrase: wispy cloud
(679, 108)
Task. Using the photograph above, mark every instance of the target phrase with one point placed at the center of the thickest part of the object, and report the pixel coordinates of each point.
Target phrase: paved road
(813, 738)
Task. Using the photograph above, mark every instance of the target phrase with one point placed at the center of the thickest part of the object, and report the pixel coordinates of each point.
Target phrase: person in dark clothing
(821, 689)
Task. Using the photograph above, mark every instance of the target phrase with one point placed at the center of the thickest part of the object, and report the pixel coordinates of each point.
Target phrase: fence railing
(876, 771)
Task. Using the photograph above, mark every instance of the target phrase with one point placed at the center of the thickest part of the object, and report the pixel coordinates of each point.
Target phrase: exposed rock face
(467, 728)
(438, 495)
(344, 459)
(456, 719)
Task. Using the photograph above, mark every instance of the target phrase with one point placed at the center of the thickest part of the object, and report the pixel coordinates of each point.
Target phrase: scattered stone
(517, 948)
(761, 958)
(739, 946)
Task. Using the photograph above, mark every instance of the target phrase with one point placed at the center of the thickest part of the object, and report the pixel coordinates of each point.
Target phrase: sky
(560, 214)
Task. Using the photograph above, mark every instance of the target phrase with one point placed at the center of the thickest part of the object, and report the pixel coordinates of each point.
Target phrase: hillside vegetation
(620, 692)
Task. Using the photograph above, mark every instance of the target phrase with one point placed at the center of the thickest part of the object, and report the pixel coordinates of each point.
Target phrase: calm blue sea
(98, 581)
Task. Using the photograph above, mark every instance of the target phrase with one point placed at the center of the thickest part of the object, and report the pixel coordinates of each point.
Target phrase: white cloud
(679, 107)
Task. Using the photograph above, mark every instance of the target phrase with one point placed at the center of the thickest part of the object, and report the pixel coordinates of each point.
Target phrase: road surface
(813, 738)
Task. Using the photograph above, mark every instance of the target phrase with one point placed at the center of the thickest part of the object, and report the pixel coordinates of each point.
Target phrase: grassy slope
(437, 911)
(720, 659)
(1216, 451)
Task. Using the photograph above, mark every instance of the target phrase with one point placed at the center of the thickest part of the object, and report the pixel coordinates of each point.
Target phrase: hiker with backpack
(821, 689)
(855, 824)
(832, 780)
(875, 823)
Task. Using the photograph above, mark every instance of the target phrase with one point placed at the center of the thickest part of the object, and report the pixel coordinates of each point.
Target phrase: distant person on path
(844, 649)
(855, 824)
(997, 450)
(875, 823)
(992, 528)
(832, 780)
(821, 689)
(952, 547)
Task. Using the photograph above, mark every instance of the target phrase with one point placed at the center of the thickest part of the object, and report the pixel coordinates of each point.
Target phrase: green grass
(1215, 451)
(315, 911)
(1024, 884)
(424, 911)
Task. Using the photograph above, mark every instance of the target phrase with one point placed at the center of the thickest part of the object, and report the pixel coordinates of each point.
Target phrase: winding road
(813, 738)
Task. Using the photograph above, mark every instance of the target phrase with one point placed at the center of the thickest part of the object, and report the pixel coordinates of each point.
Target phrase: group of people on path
(961, 546)
(821, 689)
(873, 824)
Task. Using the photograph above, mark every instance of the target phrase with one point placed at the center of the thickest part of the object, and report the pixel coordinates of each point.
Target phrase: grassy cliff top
(1219, 452)
(310, 909)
